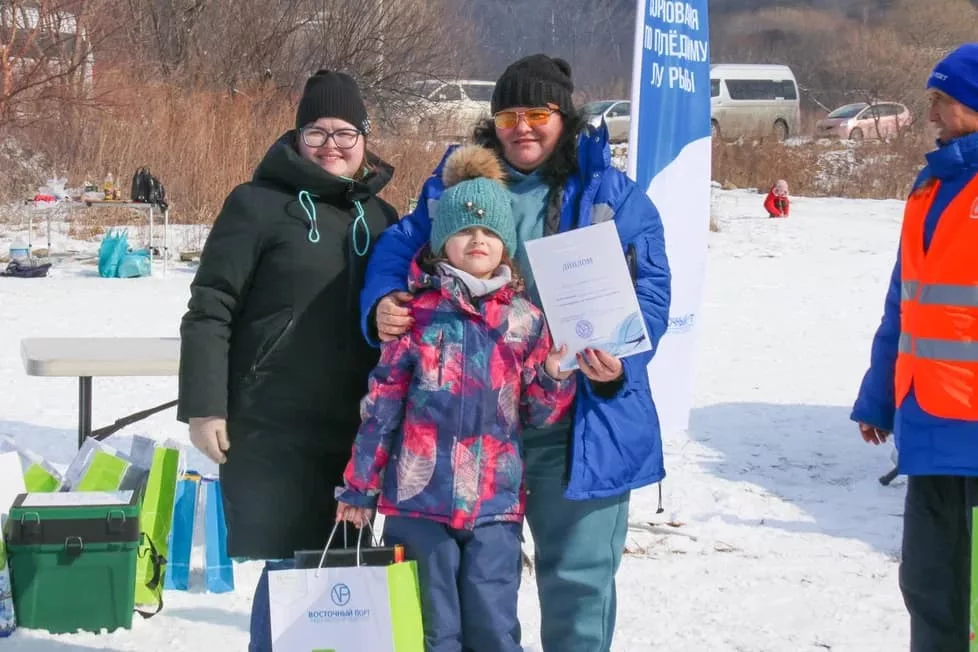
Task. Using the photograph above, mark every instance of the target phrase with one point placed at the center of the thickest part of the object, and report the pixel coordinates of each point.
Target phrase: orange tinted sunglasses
(533, 117)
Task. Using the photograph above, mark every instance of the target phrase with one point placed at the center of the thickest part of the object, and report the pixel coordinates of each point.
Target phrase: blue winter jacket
(928, 445)
(616, 444)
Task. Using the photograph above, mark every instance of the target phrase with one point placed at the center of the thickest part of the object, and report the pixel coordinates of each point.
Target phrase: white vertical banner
(669, 155)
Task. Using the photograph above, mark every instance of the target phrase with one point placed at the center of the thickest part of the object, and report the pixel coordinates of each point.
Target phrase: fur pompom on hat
(475, 195)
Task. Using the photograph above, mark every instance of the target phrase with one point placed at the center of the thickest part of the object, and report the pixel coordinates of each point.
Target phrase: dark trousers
(261, 619)
(469, 582)
(935, 574)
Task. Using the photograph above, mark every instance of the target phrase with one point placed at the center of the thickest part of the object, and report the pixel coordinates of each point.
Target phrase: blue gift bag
(182, 534)
(218, 570)
(198, 522)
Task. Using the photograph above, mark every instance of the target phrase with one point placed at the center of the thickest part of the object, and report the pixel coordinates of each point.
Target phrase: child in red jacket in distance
(777, 203)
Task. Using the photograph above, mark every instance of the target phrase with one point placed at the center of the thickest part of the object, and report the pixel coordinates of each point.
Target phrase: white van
(753, 100)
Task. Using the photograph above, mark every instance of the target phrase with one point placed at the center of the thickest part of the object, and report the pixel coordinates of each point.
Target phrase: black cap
(330, 94)
(536, 80)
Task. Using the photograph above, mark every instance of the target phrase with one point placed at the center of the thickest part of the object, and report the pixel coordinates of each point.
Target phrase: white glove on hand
(209, 435)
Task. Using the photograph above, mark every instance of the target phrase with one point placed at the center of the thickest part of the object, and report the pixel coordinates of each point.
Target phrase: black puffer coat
(271, 342)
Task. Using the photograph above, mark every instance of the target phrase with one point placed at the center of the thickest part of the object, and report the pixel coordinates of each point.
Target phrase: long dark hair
(561, 164)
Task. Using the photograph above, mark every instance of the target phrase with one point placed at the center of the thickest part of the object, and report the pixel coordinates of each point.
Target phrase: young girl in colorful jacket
(439, 451)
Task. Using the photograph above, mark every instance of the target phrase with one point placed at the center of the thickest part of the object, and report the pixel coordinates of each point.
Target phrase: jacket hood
(284, 166)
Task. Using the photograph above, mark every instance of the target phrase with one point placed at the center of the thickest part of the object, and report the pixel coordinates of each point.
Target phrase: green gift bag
(39, 475)
(96, 467)
(155, 519)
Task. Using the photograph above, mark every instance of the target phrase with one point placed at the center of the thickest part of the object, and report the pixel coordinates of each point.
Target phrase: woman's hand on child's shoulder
(393, 316)
(552, 364)
(358, 516)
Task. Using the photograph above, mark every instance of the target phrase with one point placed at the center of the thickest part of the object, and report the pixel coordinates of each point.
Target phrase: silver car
(616, 113)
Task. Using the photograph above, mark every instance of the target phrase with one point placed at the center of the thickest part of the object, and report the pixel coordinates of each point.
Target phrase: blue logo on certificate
(584, 329)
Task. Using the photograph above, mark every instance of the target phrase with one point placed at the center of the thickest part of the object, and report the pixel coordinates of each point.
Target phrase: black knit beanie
(331, 94)
(536, 80)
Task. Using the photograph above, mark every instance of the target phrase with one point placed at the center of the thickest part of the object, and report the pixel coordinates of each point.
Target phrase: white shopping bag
(336, 609)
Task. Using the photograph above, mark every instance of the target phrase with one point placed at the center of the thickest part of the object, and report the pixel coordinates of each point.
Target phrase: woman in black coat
(272, 363)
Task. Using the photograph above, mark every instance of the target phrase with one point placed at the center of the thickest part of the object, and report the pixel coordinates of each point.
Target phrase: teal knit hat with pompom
(475, 195)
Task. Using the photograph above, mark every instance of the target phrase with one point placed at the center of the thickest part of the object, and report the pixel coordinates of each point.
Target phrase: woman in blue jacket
(578, 473)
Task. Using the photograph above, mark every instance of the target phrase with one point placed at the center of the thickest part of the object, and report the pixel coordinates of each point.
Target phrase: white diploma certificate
(587, 292)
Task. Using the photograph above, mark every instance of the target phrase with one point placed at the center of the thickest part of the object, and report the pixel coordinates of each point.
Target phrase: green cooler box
(73, 560)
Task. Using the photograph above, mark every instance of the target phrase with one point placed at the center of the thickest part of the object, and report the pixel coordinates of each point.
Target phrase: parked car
(616, 113)
(863, 120)
(448, 107)
(753, 100)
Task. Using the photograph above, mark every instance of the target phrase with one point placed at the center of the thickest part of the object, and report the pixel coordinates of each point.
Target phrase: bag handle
(155, 584)
(373, 538)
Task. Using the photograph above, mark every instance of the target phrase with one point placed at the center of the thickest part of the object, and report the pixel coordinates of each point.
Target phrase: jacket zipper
(441, 355)
(461, 411)
(271, 348)
(632, 261)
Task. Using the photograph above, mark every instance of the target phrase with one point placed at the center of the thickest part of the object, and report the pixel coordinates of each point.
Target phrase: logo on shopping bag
(340, 594)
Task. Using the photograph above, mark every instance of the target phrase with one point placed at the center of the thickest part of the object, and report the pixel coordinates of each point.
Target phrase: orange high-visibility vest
(938, 347)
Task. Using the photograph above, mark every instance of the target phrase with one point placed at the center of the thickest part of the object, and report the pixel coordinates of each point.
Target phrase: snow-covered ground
(788, 542)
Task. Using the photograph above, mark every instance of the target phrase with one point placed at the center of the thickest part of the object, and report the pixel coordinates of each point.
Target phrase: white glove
(209, 435)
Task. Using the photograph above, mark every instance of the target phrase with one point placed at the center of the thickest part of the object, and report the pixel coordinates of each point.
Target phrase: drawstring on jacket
(310, 209)
(359, 223)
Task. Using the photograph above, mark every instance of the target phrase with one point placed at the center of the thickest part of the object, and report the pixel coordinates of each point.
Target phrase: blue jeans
(261, 620)
(469, 582)
(579, 545)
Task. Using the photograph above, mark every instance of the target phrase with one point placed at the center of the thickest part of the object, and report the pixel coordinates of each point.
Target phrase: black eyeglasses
(342, 138)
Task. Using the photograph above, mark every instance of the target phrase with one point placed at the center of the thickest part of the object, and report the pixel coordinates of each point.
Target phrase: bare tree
(46, 57)
(934, 26)
(385, 44)
(595, 37)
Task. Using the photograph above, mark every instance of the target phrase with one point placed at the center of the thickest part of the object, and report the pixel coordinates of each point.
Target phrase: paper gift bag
(182, 533)
(11, 482)
(348, 609)
(218, 570)
(198, 537)
(156, 518)
(11, 486)
(8, 620)
(96, 467)
(39, 475)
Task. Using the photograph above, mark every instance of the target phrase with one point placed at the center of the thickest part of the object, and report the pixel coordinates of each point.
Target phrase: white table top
(101, 356)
